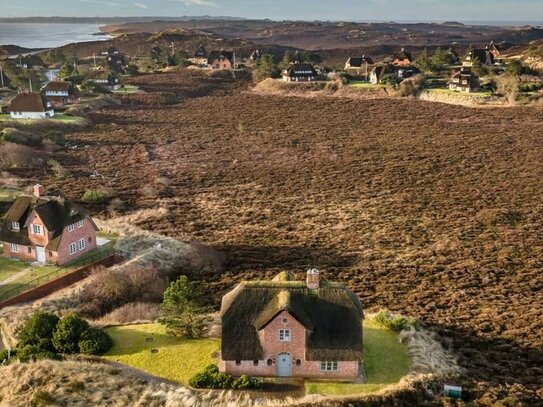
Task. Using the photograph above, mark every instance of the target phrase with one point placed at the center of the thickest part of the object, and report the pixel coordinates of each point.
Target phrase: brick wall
(60, 282)
(295, 347)
(86, 232)
(23, 252)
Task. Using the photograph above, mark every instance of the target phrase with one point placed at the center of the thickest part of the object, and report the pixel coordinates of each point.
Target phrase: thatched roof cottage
(47, 228)
(291, 328)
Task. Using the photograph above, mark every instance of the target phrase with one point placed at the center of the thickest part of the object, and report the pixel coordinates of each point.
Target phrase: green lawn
(9, 194)
(40, 274)
(177, 359)
(59, 117)
(9, 267)
(128, 89)
(365, 85)
(385, 359)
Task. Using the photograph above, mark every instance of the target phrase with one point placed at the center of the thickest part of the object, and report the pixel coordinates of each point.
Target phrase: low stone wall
(59, 283)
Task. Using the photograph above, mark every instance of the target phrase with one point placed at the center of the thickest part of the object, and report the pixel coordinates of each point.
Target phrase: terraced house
(47, 228)
(288, 328)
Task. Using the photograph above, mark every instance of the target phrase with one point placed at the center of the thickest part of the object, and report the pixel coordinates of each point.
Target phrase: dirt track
(428, 209)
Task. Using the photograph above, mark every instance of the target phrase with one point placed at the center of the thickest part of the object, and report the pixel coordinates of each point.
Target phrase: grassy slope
(177, 360)
(8, 194)
(386, 362)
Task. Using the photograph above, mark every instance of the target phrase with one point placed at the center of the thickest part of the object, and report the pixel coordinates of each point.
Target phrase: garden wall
(61, 282)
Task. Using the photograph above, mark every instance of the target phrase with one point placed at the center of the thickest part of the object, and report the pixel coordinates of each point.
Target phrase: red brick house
(61, 93)
(221, 60)
(402, 58)
(287, 328)
(47, 228)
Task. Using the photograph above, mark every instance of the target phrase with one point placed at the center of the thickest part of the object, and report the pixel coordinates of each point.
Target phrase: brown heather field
(432, 210)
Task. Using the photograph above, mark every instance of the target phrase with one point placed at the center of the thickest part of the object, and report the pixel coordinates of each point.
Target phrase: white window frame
(72, 248)
(80, 224)
(81, 244)
(284, 335)
(71, 228)
(327, 366)
(14, 247)
(36, 229)
(15, 226)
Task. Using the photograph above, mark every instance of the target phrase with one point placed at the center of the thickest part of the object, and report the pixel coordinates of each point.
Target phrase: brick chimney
(312, 279)
(39, 190)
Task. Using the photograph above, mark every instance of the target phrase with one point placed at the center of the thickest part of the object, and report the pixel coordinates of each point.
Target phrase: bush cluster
(95, 196)
(46, 336)
(395, 322)
(211, 378)
(114, 288)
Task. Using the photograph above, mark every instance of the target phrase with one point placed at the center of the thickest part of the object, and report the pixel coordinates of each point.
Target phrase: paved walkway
(15, 276)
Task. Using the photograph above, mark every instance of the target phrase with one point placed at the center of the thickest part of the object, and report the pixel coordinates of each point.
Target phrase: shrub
(38, 330)
(183, 314)
(34, 352)
(394, 322)
(19, 156)
(211, 378)
(6, 356)
(95, 196)
(58, 169)
(94, 342)
(42, 398)
(68, 333)
(112, 289)
(56, 137)
(131, 313)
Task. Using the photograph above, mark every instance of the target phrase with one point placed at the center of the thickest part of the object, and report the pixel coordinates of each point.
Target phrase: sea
(45, 35)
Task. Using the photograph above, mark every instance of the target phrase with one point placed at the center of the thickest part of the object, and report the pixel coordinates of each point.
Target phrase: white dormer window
(329, 366)
(15, 226)
(284, 335)
(71, 228)
(36, 229)
(80, 224)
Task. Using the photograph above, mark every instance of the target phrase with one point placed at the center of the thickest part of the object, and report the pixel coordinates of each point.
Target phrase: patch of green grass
(9, 194)
(177, 359)
(9, 267)
(128, 89)
(365, 85)
(385, 359)
(59, 117)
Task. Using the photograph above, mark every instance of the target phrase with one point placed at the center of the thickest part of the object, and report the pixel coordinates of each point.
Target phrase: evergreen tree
(266, 67)
(182, 311)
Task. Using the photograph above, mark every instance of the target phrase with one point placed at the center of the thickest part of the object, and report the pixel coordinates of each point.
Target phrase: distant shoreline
(127, 20)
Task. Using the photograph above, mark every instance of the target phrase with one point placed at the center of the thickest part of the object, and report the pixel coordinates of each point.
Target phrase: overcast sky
(351, 10)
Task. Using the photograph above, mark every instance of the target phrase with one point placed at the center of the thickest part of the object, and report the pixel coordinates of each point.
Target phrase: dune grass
(57, 118)
(385, 359)
(148, 348)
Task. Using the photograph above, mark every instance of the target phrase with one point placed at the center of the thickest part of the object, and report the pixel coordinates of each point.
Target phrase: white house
(31, 106)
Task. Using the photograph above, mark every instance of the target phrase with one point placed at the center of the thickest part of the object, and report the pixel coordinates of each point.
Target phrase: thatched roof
(301, 70)
(332, 315)
(30, 102)
(55, 212)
